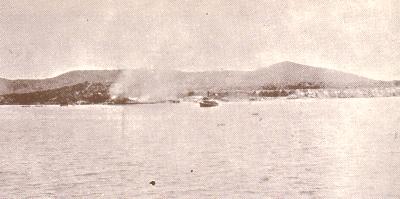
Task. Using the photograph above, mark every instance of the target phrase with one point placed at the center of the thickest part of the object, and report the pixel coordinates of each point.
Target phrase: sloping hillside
(66, 79)
(91, 93)
(280, 74)
(293, 73)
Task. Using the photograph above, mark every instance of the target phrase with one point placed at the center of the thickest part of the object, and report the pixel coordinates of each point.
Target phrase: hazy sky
(45, 38)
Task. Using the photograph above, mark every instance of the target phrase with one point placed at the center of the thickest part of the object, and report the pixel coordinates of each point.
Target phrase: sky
(44, 38)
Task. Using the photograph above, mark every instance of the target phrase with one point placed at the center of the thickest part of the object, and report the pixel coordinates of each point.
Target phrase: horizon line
(191, 71)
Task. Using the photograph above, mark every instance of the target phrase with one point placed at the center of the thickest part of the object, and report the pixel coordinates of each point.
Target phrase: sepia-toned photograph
(199, 99)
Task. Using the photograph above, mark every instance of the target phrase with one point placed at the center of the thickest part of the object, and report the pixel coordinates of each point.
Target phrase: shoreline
(258, 100)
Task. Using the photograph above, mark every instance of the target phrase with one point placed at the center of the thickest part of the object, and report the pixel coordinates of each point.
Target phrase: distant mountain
(293, 73)
(85, 93)
(280, 74)
(66, 79)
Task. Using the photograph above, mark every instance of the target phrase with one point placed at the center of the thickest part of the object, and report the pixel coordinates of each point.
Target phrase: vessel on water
(208, 103)
(174, 101)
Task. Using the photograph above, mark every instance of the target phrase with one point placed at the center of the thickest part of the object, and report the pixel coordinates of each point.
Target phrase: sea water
(311, 148)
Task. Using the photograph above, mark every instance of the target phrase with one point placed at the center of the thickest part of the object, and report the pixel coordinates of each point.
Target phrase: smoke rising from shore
(147, 85)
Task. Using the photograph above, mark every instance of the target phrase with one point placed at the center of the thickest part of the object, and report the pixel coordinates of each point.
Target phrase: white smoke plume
(147, 85)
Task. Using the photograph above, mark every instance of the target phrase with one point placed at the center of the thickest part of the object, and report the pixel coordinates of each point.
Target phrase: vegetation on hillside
(82, 93)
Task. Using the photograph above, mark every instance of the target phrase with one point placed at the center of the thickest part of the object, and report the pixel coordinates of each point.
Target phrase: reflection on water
(334, 148)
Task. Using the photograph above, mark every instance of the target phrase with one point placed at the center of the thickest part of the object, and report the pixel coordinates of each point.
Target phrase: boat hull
(208, 104)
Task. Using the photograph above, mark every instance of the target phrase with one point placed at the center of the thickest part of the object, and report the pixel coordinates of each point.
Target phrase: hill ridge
(282, 73)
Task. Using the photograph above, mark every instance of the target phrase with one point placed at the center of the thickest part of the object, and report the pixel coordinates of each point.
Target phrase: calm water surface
(334, 148)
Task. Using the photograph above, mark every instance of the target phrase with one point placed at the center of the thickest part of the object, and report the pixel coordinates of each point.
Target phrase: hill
(66, 79)
(88, 93)
(280, 74)
(289, 73)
